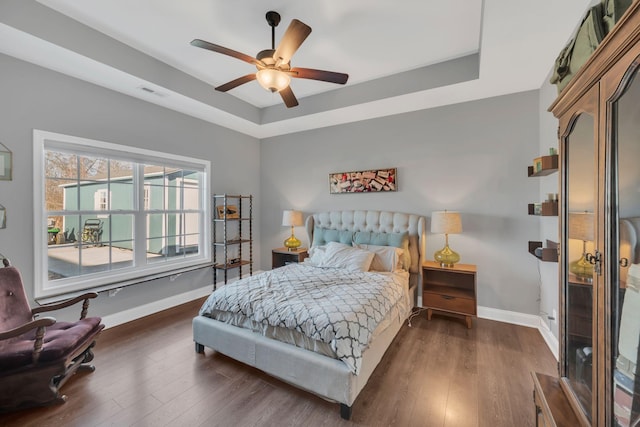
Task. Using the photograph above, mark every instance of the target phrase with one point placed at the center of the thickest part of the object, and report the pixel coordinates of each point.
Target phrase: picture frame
(232, 212)
(5, 163)
(365, 181)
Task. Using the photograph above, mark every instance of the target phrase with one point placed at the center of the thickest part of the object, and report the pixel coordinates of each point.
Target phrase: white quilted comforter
(334, 306)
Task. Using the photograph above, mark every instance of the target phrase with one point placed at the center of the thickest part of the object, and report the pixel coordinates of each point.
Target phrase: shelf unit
(546, 209)
(231, 216)
(549, 253)
(548, 165)
(543, 166)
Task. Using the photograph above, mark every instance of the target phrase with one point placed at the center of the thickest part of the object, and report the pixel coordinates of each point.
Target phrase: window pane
(60, 165)
(192, 223)
(120, 169)
(121, 195)
(57, 195)
(191, 198)
(155, 225)
(93, 168)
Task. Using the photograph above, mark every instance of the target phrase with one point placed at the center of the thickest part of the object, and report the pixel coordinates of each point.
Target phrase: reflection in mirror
(626, 274)
(580, 167)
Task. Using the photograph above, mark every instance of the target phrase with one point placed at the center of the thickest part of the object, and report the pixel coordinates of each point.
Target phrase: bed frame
(324, 376)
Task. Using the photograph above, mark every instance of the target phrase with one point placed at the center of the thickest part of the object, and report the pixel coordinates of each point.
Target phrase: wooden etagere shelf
(232, 224)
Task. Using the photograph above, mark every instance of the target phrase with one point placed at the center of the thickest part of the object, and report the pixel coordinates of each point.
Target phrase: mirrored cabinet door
(580, 206)
(625, 256)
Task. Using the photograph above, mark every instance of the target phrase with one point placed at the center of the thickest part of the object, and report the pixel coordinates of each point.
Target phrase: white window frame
(43, 288)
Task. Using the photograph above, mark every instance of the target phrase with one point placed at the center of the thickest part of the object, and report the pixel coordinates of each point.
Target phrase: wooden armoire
(599, 139)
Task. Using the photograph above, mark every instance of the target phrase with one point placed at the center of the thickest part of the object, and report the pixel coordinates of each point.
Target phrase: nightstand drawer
(449, 303)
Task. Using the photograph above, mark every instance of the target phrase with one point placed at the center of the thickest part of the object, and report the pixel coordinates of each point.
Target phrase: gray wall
(549, 225)
(470, 157)
(36, 98)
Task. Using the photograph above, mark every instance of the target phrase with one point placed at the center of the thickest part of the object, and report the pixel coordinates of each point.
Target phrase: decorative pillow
(339, 255)
(316, 255)
(322, 236)
(386, 258)
(398, 240)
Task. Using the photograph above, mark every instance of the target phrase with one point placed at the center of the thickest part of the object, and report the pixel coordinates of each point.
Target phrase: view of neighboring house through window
(111, 213)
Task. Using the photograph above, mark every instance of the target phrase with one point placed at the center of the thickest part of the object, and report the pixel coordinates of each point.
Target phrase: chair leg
(199, 348)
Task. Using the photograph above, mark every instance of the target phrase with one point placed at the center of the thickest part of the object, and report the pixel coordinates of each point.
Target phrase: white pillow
(387, 258)
(339, 255)
(316, 255)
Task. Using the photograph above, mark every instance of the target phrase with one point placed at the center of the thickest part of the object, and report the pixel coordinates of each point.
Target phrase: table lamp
(581, 228)
(293, 219)
(445, 222)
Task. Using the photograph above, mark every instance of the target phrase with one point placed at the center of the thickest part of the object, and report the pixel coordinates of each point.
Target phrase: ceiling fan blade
(225, 51)
(291, 41)
(288, 97)
(237, 82)
(325, 76)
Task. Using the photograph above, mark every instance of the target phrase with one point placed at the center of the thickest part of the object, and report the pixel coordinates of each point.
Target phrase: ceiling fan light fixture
(272, 79)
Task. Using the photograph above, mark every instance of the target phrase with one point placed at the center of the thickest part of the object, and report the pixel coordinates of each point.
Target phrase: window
(110, 214)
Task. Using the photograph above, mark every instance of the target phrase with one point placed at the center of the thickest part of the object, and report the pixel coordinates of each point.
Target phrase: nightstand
(450, 290)
(282, 256)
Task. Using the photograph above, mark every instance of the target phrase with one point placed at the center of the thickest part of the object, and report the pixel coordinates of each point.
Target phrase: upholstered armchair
(39, 354)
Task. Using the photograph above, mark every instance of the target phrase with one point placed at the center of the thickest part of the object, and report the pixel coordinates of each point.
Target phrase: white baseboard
(153, 307)
(125, 316)
(522, 319)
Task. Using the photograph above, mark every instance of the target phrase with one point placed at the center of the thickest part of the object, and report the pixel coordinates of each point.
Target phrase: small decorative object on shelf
(233, 213)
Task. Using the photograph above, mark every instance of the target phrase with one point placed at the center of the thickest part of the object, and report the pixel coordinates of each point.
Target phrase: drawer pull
(447, 297)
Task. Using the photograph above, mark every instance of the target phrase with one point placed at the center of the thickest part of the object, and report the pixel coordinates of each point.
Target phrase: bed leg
(345, 411)
(199, 348)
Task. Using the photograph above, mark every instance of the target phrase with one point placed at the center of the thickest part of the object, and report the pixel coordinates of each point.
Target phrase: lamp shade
(273, 80)
(581, 226)
(446, 222)
(292, 218)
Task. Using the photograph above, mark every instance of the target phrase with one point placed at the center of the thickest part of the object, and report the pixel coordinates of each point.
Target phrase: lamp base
(446, 257)
(582, 269)
(292, 243)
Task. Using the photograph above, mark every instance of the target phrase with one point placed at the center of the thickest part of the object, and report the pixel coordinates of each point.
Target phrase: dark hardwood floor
(436, 373)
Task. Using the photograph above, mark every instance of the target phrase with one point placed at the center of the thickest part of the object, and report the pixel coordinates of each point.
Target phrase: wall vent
(151, 91)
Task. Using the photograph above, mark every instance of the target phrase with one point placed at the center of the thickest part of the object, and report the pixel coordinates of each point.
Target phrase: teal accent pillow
(398, 240)
(322, 236)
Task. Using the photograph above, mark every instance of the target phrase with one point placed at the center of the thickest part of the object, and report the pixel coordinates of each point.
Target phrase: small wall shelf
(547, 209)
(547, 166)
(548, 254)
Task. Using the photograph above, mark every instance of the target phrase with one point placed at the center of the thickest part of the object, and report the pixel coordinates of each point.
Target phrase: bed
(298, 362)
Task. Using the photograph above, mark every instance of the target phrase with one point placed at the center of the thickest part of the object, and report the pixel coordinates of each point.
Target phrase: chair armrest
(42, 322)
(67, 303)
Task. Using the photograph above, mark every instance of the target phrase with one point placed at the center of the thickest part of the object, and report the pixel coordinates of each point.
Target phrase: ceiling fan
(274, 67)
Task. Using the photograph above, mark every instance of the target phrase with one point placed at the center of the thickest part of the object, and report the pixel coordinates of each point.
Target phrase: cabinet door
(622, 88)
(579, 150)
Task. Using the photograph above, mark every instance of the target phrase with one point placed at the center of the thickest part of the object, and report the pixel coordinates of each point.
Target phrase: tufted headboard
(380, 222)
